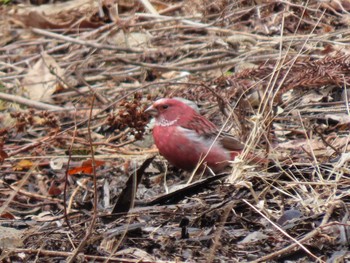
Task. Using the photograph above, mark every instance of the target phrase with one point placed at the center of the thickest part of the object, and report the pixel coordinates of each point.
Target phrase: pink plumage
(185, 138)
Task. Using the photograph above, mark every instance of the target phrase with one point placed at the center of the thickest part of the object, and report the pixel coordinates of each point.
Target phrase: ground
(81, 179)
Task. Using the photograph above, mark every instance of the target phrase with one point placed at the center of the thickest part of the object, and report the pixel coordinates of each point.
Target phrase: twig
(66, 175)
(97, 94)
(31, 103)
(18, 189)
(149, 7)
(171, 8)
(227, 211)
(30, 194)
(94, 213)
(305, 238)
(296, 242)
(88, 257)
(84, 42)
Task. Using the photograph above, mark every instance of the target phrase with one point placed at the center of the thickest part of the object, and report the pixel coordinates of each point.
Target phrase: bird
(187, 139)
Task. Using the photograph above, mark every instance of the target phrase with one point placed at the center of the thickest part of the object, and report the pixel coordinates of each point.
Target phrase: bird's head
(170, 111)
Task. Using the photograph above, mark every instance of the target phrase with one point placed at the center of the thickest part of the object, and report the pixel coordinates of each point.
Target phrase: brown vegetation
(80, 177)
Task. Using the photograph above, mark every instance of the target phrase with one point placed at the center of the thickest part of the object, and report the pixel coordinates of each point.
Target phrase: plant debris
(81, 179)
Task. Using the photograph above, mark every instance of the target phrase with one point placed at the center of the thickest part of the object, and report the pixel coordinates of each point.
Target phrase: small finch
(185, 138)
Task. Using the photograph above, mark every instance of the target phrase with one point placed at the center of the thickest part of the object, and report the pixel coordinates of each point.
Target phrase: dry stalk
(94, 212)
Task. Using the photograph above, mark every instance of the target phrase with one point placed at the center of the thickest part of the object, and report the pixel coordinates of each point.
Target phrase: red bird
(185, 138)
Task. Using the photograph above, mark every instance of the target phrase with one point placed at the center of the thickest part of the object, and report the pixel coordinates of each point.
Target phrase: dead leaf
(38, 20)
(340, 118)
(253, 237)
(86, 167)
(60, 7)
(75, 13)
(57, 163)
(299, 144)
(55, 188)
(340, 5)
(133, 39)
(313, 96)
(288, 216)
(3, 155)
(7, 215)
(42, 80)
(10, 237)
(127, 197)
(23, 165)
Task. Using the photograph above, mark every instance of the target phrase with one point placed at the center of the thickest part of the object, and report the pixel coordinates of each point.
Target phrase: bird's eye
(165, 107)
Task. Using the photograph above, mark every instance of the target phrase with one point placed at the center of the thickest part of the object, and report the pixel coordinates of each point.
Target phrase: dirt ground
(80, 177)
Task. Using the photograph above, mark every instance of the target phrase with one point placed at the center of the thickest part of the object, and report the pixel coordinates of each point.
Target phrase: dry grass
(275, 73)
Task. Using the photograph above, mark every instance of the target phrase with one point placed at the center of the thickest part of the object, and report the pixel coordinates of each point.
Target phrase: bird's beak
(151, 111)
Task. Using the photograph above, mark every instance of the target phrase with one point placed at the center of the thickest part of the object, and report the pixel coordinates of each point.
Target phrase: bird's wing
(207, 130)
(200, 125)
(230, 143)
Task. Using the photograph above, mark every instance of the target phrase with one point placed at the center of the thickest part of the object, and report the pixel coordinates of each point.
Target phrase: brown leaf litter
(78, 179)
